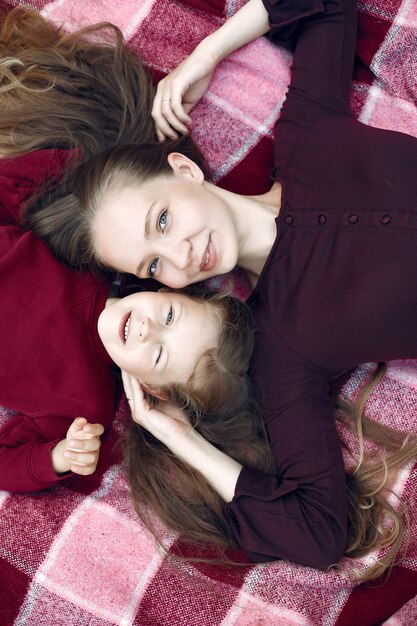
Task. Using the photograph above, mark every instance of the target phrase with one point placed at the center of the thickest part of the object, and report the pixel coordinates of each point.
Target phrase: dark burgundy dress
(339, 287)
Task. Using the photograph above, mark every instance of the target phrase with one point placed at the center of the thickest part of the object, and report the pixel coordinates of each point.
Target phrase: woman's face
(172, 228)
(158, 337)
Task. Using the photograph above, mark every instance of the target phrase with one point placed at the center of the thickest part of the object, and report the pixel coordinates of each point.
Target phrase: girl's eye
(153, 266)
(162, 220)
(159, 356)
(170, 316)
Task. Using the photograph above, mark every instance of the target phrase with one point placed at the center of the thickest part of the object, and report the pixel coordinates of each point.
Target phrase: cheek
(194, 216)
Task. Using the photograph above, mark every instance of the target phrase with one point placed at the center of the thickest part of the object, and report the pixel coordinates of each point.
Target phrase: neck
(254, 219)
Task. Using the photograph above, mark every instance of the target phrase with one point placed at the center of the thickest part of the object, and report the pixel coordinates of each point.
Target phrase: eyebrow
(147, 234)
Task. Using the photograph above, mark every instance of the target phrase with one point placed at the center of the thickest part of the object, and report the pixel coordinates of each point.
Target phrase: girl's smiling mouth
(124, 327)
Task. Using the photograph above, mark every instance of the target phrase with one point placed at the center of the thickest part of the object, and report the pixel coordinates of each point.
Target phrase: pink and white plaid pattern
(73, 559)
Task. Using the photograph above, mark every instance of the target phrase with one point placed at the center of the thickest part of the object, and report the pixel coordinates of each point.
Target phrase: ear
(183, 166)
(155, 391)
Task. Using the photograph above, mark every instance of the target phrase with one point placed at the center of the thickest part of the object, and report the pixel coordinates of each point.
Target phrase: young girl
(329, 249)
(59, 333)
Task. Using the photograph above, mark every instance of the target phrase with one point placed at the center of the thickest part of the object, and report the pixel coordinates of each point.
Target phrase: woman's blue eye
(153, 267)
(163, 220)
(170, 316)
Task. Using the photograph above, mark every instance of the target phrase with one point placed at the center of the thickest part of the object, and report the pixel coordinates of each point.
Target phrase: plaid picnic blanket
(76, 559)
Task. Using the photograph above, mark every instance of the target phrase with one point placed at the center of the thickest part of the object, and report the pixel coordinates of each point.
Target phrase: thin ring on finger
(166, 99)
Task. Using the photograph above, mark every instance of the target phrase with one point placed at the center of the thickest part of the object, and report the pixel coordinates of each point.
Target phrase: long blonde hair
(375, 523)
(82, 90)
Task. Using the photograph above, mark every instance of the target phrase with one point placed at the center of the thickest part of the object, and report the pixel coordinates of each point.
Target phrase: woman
(173, 225)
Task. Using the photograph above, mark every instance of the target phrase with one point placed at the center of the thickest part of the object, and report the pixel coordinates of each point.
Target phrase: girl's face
(172, 228)
(158, 337)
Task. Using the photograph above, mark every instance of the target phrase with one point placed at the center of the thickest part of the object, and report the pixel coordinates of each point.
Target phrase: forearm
(249, 23)
(219, 469)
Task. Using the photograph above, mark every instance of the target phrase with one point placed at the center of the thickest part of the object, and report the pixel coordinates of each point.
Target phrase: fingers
(86, 445)
(77, 425)
(83, 470)
(83, 446)
(132, 387)
(83, 455)
(135, 396)
(91, 430)
(82, 429)
(168, 111)
(127, 385)
(136, 388)
(81, 459)
(166, 123)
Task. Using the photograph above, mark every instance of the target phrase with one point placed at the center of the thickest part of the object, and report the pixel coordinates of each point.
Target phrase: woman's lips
(209, 259)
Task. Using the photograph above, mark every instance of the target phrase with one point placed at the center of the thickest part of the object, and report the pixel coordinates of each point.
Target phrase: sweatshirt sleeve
(25, 453)
(21, 176)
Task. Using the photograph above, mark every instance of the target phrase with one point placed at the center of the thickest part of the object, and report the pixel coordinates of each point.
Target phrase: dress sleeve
(299, 513)
(25, 454)
(324, 34)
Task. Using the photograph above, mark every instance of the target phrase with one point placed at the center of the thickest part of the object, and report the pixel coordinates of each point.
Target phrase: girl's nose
(144, 329)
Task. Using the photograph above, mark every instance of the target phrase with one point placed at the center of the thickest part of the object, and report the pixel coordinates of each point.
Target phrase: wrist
(210, 51)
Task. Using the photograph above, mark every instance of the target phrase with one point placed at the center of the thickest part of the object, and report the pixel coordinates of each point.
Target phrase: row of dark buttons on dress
(353, 219)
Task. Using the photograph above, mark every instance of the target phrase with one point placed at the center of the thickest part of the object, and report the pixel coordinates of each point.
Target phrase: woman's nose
(181, 254)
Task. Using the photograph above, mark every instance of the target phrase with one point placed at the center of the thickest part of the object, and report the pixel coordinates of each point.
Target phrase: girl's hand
(179, 92)
(165, 422)
(79, 451)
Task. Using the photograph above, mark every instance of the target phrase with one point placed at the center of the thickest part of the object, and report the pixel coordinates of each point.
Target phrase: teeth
(207, 257)
(127, 327)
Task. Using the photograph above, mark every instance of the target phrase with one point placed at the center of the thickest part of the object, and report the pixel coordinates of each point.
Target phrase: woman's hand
(165, 421)
(179, 92)
(79, 451)
(175, 431)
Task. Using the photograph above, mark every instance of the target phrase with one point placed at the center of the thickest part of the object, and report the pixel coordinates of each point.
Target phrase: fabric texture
(68, 558)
